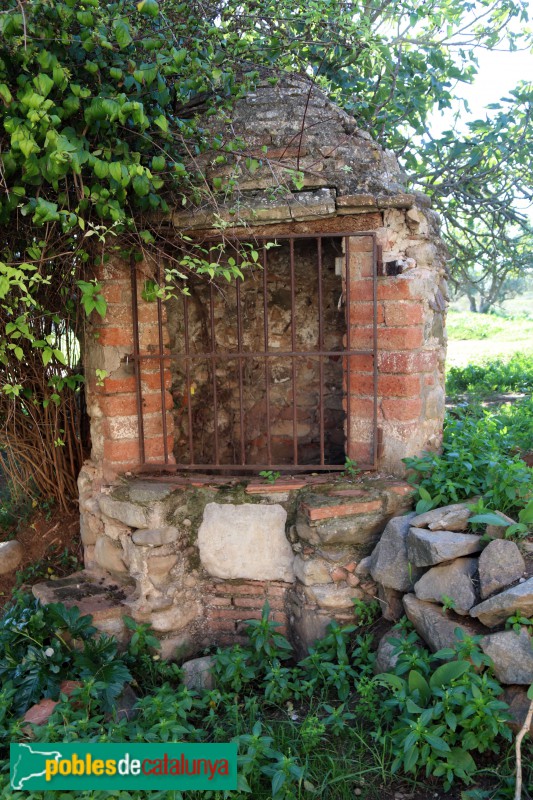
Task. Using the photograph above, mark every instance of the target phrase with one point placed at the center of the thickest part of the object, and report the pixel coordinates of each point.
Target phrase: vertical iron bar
(188, 376)
(349, 347)
(137, 361)
(239, 351)
(267, 368)
(162, 365)
(375, 442)
(293, 339)
(214, 367)
(320, 346)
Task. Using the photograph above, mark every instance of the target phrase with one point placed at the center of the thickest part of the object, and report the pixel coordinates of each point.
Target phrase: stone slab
(500, 606)
(453, 580)
(246, 541)
(427, 548)
(435, 627)
(512, 655)
(500, 564)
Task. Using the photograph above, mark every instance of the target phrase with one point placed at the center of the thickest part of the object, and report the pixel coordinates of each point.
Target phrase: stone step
(93, 593)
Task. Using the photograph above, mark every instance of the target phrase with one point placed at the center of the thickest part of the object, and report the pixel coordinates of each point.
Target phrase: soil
(52, 549)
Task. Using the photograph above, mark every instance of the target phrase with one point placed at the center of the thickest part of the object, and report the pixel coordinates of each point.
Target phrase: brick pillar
(410, 393)
(112, 400)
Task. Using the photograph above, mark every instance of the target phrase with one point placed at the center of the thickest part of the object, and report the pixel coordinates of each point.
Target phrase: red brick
(394, 289)
(400, 488)
(277, 591)
(117, 292)
(341, 510)
(361, 338)
(152, 380)
(361, 265)
(398, 314)
(407, 362)
(241, 616)
(123, 405)
(147, 313)
(360, 364)
(360, 244)
(361, 289)
(222, 625)
(115, 337)
(400, 338)
(360, 451)
(399, 385)
(122, 452)
(119, 314)
(363, 313)
(219, 601)
(361, 385)
(248, 602)
(361, 408)
(153, 448)
(402, 409)
(245, 588)
(119, 385)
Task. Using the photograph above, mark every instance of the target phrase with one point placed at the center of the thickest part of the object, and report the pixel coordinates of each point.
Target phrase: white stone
(11, 554)
(497, 608)
(312, 570)
(426, 548)
(454, 580)
(156, 537)
(246, 541)
(109, 555)
(333, 596)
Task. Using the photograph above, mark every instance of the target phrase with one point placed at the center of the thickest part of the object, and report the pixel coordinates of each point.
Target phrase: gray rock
(426, 548)
(311, 571)
(333, 596)
(498, 531)
(452, 580)
(156, 537)
(197, 673)
(500, 564)
(109, 555)
(499, 607)
(128, 513)
(386, 656)
(363, 568)
(517, 700)
(447, 518)
(435, 627)
(391, 604)
(512, 654)
(246, 541)
(389, 563)
(11, 555)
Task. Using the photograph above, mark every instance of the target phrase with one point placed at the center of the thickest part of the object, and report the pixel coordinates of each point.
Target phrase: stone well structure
(331, 347)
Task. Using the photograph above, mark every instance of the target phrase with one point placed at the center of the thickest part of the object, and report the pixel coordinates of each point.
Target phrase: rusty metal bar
(188, 377)
(241, 386)
(293, 345)
(320, 347)
(214, 357)
(137, 360)
(162, 365)
(214, 366)
(348, 346)
(267, 368)
(375, 442)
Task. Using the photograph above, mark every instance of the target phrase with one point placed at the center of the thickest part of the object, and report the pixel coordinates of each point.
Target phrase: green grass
(475, 337)
(498, 375)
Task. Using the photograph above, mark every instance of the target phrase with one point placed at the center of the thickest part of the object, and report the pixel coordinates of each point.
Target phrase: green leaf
(447, 673)
(489, 518)
(417, 682)
(122, 34)
(149, 7)
(115, 170)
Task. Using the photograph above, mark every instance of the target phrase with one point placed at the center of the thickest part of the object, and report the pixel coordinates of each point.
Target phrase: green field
(475, 337)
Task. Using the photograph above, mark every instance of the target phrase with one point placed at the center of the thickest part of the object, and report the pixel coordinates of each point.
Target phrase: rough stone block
(155, 537)
(389, 564)
(498, 608)
(512, 655)
(426, 548)
(11, 555)
(109, 555)
(500, 564)
(312, 570)
(333, 596)
(246, 541)
(197, 673)
(435, 627)
(453, 580)
(446, 518)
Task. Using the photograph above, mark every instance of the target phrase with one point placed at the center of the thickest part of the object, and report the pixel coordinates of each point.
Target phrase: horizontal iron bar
(252, 467)
(255, 354)
(287, 236)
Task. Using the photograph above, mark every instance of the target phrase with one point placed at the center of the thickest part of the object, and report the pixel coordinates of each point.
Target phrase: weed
(270, 476)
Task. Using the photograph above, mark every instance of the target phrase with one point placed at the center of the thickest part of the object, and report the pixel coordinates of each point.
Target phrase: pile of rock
(430, 567)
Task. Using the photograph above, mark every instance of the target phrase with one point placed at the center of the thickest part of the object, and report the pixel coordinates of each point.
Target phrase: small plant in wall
(350, 468)
(269, 475)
